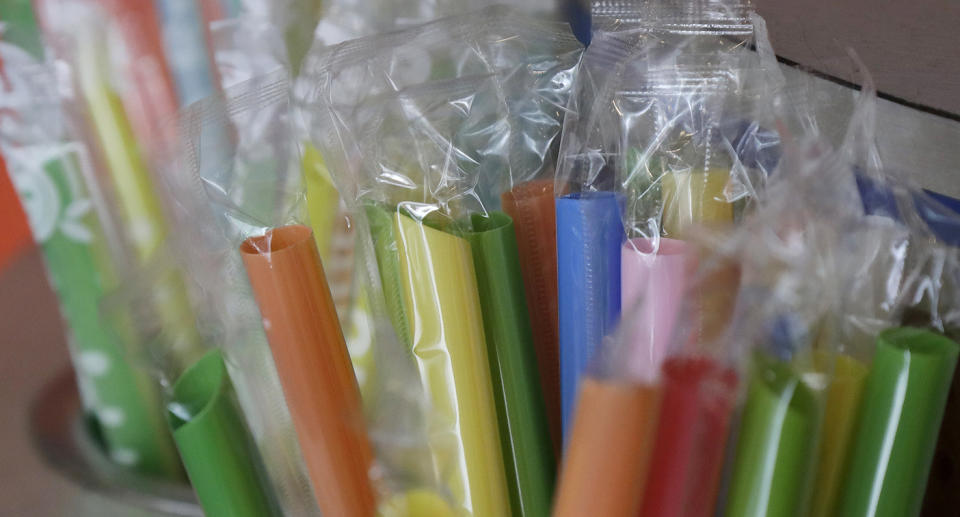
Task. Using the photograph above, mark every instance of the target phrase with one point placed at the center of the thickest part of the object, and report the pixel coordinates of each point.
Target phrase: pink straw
(654, 278)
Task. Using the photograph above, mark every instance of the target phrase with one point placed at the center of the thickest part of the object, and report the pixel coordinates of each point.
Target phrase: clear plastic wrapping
(260, 264)
(672, 372)
(344, 20)
(424, 130)
(118, 103)
(911, 371)
(670, 126)
(120, 99)
(220, 193)
(834, 288)
(55, 177)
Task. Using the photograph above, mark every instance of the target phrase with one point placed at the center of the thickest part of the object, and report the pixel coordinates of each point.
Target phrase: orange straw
(311, 357)
(608, 455)
(531, 206)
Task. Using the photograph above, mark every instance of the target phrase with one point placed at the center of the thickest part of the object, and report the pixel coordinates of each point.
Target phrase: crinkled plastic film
(673, 114)
(786, 312)
(912, 369)
(468, 108)
(688, 380)
(124, 111)
(118, 109)
(343, 20)
(54, 176)
(226, 192)
(875, 242)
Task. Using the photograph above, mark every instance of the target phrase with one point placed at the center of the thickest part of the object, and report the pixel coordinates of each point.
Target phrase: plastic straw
(20, 26)
(698, 399)
(525, 437)
(140, 208)
(322, 198)
(215, 444)
(589, 236)
(446, 333)
(607, 458)
(694, 198)
(903, 403)
(776, 445)
(311, 356)
(653, 285)
(839, 420)
(188, 54)
(387, 251)
(533, 209)
(125, 400)
(416, 503)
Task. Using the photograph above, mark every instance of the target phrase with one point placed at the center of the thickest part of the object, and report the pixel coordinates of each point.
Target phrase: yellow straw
(693, 198)
(139, 207)
(322, 199)
(840, 416)
(449, 348)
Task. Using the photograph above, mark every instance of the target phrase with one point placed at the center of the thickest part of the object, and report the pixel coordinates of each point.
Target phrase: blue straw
(589, 236)
(188, 54)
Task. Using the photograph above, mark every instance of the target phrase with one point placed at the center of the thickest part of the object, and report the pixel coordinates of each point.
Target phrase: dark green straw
(216, 448)
(903, 404)
(524, 434)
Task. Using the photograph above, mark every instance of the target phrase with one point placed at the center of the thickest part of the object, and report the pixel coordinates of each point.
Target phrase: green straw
(124, 400)
(776, 446)
(449, 348)
(903, 404)
(21, 26)
(214, 442)
(524, 434)
(387, 252)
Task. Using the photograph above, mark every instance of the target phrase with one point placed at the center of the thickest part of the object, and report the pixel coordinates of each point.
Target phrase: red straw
(698, 398)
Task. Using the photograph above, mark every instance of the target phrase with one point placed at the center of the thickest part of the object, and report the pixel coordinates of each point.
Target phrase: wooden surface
(912, 48)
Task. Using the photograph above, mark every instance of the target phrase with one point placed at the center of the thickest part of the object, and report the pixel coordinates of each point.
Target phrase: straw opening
(197, 389)
(276, 240)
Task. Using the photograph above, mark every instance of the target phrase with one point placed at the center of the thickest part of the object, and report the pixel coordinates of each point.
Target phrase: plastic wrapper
(55, 178)
(888, 461)
(122, 122)
(220, 193)
(245, 47)
(718, 328)
(858, 268)
(788, 313)
(678, 415)
(257, 256)
(861, 261)
(424, 130)
(186, 42)
(670, 126)
(344, 20)
(122, 104)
